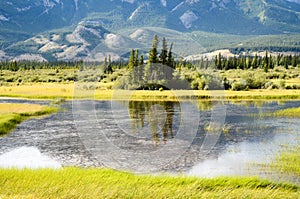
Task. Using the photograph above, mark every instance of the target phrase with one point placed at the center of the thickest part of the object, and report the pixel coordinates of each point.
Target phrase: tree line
(32, 65)
(252, 62)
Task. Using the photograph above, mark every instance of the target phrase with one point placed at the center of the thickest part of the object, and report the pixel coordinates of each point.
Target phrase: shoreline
(67, 92)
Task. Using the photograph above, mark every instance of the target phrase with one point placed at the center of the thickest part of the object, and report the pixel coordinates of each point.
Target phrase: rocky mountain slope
(75, 29)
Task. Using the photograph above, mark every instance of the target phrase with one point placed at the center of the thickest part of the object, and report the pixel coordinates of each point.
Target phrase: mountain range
(88, 30)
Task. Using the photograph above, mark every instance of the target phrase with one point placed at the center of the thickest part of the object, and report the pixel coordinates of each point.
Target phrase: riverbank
(89, 91)
(13, 114)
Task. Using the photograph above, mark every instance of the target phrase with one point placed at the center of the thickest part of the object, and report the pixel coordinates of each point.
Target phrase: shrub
(238, 86)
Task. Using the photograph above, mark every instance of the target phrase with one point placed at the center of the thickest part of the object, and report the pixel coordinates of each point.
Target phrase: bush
(239, 86)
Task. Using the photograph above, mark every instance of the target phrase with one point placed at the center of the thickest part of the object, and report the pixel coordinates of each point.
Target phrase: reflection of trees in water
(158, 115)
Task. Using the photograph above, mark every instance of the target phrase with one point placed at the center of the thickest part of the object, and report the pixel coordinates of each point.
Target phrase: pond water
(205, 139)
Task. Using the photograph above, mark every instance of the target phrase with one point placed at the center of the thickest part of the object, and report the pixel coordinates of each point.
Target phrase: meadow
(277, 83)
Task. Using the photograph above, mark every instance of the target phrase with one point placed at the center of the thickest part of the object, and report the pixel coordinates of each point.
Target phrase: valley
(149, 98)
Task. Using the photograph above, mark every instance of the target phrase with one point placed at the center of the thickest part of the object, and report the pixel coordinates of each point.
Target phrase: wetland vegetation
(14, 114)
(91, 183)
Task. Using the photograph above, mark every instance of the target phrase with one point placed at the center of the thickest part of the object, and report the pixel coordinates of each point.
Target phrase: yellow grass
(85, 90)
(46, 90)
(20, 108)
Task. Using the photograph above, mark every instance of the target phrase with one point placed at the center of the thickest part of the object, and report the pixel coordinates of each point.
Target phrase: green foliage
(153, 53)
(131, 62)
(8, 122)
(164, 52)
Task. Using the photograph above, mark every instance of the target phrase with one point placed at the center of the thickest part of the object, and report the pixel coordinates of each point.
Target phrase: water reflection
(27, 157)
(157, 116)
(131, 126)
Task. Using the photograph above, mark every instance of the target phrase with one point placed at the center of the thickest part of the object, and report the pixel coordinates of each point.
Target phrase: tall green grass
(9, 122)
(104, 183)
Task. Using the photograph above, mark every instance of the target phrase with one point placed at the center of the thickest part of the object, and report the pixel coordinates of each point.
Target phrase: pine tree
(219, 61)
(266, 60)
(216, 61)
(294, 61)
(248, 62)
(271, 62)
(131, 61)
(235, 62)
(153, 51)
(285, 62)
(255, 61)
(141, 60)
(170, 60)
(136, 58)
(108, 68)
(14, 66)
(226, 64)
(164, 52)
(104, 63)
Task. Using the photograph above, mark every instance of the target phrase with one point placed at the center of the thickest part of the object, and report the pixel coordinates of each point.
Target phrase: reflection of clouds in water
(27, 157)
(238, 158)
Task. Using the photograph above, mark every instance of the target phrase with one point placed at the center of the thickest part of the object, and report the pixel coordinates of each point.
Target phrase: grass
(105, 183)
(290, 112)
(89, 91)
(13, 114)
(288, 162)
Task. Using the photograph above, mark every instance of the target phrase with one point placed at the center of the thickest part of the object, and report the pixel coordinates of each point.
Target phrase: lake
(198, 138)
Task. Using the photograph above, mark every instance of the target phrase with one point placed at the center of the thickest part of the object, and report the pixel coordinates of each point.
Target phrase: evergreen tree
(216, 61)
(235, 62)
(226, 64)
(294, 61)
(136, 58)
(153, 51)
(279, 60)
(14, 66)
(104, 64)
(271, 62)
(131, 61)
(164, 52)
(255, 61)
(141, 60)
(219, 61)
(108, 68)
(248, 62)
(170, 58)
(285, 62)
(266, 60)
